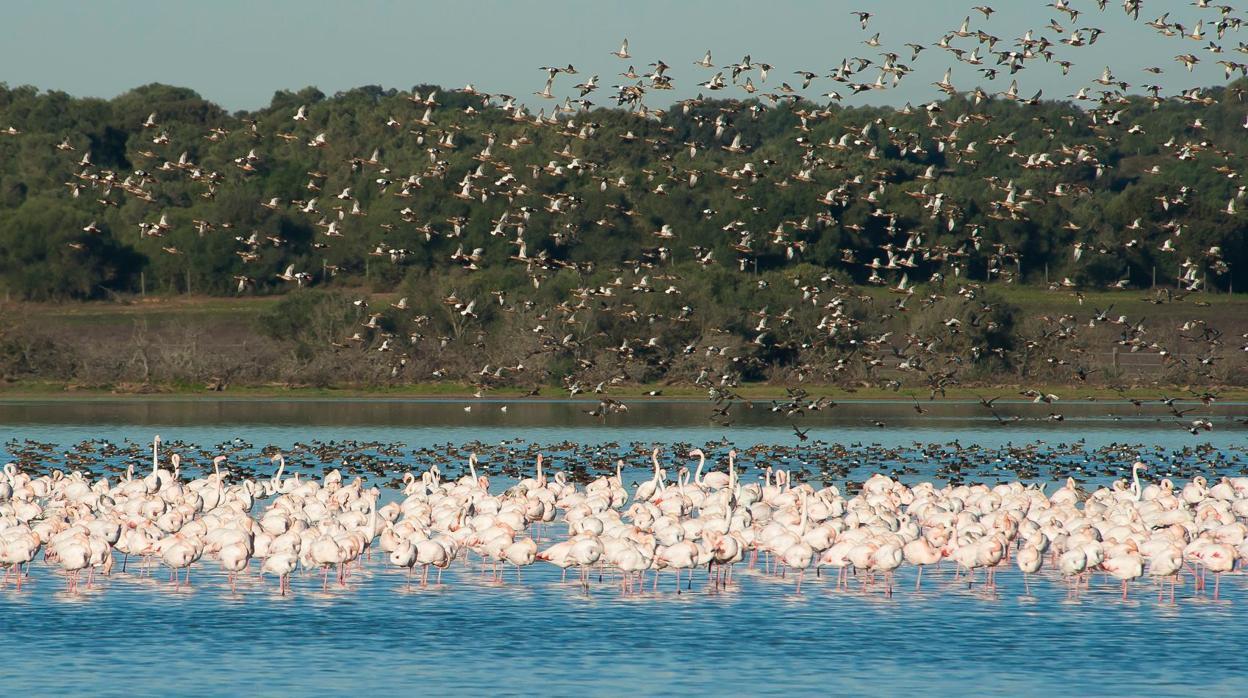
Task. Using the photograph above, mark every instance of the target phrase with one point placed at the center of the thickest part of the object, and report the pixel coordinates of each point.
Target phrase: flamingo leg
(918, 583)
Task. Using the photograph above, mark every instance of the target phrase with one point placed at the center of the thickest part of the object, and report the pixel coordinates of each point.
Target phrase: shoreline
(455, 392)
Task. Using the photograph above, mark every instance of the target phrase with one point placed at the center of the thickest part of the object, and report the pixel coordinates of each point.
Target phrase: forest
(1122, 207)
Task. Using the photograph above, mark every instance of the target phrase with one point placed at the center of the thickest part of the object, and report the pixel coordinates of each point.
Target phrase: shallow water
(134, 635)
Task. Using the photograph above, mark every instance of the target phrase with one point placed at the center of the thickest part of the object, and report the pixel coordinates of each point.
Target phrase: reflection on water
(135, 636)
(416, 422)
(539, 636)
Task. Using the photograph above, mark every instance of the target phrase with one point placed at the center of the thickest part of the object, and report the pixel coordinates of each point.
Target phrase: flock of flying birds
(537, 210)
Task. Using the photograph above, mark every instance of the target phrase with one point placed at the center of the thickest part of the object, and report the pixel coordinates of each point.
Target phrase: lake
(134, 635)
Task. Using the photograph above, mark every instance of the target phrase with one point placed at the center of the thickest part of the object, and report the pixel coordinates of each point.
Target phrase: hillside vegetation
(442, 235)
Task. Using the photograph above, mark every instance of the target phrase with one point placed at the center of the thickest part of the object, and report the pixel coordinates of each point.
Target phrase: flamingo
(1125, 567)
(326, 552)
(647, 490)
(887, 558)
(1028, 560)
(281, 564)
(920, 553)
(800, 554)
(180, 554)
(521, 554)
(404, 555)
(1218, 558)
(234, 559)
(18, 546)
(73, 556)
(431, 552)
(1072, 563)
(1163, 564)
(583, 553)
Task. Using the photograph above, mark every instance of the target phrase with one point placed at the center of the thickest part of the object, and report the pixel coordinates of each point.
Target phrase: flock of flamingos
(704, 522)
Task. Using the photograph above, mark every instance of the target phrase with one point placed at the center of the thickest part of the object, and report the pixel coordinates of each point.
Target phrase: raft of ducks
(704, 520)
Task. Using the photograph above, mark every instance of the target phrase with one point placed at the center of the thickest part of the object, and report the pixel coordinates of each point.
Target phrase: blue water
(134, 635)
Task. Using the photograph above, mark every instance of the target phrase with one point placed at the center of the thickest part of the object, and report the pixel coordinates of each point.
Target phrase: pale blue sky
(238, 52)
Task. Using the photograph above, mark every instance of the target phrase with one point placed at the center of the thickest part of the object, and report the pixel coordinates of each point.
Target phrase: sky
(239, 52)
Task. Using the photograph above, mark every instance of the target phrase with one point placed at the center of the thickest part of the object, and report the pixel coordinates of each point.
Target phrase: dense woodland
(45, 253)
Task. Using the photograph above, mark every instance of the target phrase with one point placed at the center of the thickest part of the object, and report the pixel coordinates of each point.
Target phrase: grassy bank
(180, 345)
(56, 390)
